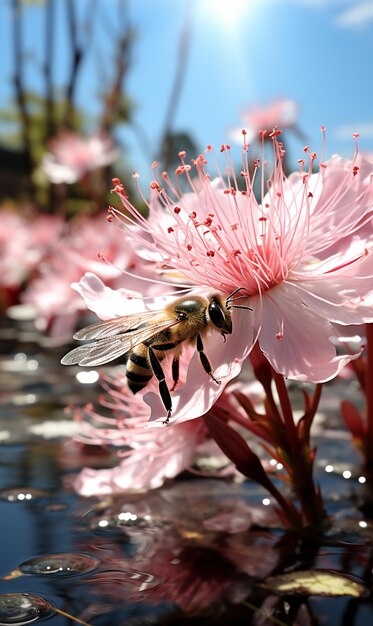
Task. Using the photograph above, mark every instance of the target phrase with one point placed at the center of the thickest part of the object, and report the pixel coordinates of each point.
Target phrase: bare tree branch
(20, 91)
(112, 101)
(78, 51)
(48, 63)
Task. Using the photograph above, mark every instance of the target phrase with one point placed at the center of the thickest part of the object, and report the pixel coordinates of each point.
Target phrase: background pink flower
(72, 156)
(281, 112)
(57, 305)
(24, 242)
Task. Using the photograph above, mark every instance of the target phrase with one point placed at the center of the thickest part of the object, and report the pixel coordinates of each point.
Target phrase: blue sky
(242, 53)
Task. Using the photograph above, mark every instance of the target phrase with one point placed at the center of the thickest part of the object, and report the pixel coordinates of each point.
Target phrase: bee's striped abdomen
(139, 371)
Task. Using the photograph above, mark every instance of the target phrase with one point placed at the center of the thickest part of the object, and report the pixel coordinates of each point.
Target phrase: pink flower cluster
(41, 255)
(25, 241)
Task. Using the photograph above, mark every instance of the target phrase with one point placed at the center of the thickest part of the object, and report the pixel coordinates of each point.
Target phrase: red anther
(275, 133)
(313, 156)
(182, 154)
(177, 210)
(279, 194)
(109, 218)
(100, 256)
(256, 162)
(301, 161)
(305, 178)
(189, 247)
(208, 221)
(222, 148)
(306, 148)
(323, 165)
(210, 253)
(262, 133)
(355, 170)
(266, 206)
(356, 135)
(236, 252)
(244, 132)
(193, 215)
(179, 170)
(155, 165)
(116, 181)
(233, 191)
(209, 147)
(155, 185)
(170, 229)
(226, 191)
(280, 335)
(262, 219)
(323, 128)
(310, 195)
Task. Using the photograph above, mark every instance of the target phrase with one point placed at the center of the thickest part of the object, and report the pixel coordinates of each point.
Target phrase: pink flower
(302, 256)
(82, 248)
(282, 113)
(150, 456)
(24, 242)
(72, 156)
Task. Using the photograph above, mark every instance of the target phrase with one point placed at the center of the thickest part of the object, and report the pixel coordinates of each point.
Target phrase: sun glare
(227, 15)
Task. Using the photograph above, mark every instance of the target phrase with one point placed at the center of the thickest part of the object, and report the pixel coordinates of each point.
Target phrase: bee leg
(175, 372)
(204, 360)
(163, 389)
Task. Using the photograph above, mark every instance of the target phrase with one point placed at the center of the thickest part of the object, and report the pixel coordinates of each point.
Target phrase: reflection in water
(195, 549)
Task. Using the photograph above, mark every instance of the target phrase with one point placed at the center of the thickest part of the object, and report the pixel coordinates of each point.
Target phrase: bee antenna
(238, 298)
(234, 292)
(242, 306)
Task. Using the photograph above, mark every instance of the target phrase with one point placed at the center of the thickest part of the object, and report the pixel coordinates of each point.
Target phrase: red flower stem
(287, 413)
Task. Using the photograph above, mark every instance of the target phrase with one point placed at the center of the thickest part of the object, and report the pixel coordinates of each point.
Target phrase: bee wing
(115, 326)
(110, 348)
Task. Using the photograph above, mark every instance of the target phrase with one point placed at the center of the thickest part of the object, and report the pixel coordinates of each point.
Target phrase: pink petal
(105, 302)
(295, 339)
(340, 299)
(108, 303)
(196, 396)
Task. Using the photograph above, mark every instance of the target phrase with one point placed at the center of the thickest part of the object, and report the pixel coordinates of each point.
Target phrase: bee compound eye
(217, 315)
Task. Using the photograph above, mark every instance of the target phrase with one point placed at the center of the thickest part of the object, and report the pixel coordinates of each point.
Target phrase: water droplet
(22, 608)
(22, 494)
(61, 564)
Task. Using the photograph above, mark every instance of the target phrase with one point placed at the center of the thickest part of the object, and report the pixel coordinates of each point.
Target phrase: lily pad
(315, 583)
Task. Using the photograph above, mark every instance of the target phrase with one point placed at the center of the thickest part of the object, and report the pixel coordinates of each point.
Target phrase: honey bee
(150, 335)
